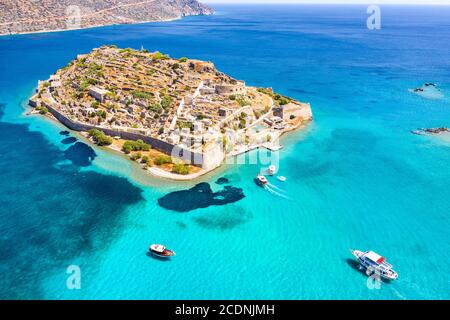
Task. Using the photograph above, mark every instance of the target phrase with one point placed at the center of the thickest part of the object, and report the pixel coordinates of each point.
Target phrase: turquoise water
(356, 177)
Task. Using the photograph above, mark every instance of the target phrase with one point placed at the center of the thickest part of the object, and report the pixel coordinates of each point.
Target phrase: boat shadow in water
(155, 257)
(356, 266)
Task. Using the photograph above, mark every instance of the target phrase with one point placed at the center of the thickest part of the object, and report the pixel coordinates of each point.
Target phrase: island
(180, 118)
(31, 16)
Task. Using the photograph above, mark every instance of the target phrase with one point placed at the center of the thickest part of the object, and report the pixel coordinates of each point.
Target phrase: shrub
(136, 156)
(183, 59)
(100, 138)
(42, 110)
(159, 56)
(180, 168)
(145, 160)
(292, 117)
(95, 104)
(138, 145)
(155, 107)
(175, 66)
(101, 114)
(163, 159)
(141, 95)
(166, 102)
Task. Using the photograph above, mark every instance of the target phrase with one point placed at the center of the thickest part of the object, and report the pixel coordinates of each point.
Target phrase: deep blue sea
(356, 177)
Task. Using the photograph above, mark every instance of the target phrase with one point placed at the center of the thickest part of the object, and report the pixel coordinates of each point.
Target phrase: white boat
(161, 251)
(272, 170)
(376, 263)
(261, 180)
(281, 178)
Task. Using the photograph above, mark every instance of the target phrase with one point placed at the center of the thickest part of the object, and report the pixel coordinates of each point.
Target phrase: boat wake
(274, 187)
(273, 190)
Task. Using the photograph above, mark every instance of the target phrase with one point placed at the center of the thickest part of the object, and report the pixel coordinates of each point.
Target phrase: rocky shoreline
(26, 16)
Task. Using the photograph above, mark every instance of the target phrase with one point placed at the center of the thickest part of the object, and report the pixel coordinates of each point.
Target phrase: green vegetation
(183, 59)
(155, 107)
(180, 168)
(184, 124)
(42, 110)
(136, 156)
(150, 72)
(242, 101)
(163, 159)
(166, 102)
(95, 104)
(159, 56)
(101, 114)
(86, 83)
(137, 145)
(141, 95)
(145, 160)
(127, 50)
(100, 138)
(242, 123)
(279, 99)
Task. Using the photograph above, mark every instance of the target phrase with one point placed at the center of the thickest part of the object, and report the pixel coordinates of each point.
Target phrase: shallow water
(356, 177)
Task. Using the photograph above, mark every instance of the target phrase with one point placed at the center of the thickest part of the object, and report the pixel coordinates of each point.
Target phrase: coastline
(239, 120)
(95, 26)
(153, 175)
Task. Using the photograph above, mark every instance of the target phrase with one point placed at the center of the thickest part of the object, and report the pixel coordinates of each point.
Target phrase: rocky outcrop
(27, 16)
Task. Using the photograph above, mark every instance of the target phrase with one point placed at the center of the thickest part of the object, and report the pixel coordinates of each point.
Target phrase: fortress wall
(226, 89)
(198, 159)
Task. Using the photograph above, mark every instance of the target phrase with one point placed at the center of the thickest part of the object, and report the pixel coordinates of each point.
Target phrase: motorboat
(373, 262)
(161, 251)
(281, 178)
(261, 180)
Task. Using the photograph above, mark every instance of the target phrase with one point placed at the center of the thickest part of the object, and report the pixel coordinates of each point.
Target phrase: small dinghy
(272, 170)
(281, 178)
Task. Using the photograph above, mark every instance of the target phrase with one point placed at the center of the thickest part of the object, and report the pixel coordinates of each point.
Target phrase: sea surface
(356, 177)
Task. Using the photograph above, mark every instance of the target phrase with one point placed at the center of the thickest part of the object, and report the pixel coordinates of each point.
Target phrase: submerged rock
(80, 154)
(200, 196)
(64, 133)
(428, 90)
(69, 140)
(222, 181)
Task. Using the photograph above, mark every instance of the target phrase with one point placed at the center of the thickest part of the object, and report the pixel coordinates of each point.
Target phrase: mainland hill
(29, 16)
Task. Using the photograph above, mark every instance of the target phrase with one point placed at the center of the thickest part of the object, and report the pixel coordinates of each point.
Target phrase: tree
(100, 138)
(137, 145)
(163, 159)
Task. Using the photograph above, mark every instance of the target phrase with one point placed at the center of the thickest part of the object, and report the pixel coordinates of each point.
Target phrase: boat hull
(165, 254)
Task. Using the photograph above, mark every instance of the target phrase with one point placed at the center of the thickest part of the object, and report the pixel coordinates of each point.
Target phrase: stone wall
(198, 159)
(229, 89)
